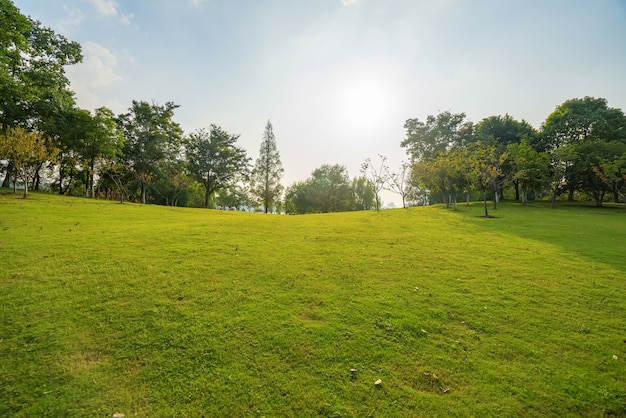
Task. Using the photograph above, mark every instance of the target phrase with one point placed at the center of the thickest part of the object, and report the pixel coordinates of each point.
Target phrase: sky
(338, 78)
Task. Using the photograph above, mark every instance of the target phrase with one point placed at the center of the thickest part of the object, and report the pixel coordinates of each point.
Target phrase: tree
(33, 84)
(613, 171)
(502, 131)
(432, 174)
(327, 190)
(68, 129)
(425, 140)
(27, 151)
(376, 177)
(112, 180)
(330, 189)
(556, 172)
(233, 196)
(364, 195)
(215, 161)
(267, 172)
(578, 121)
(595, 162)
(446, 173)
(431, 146)
(296, 199)
(529, 167)
(152, 139)
(102, 140)
(32, 67)
(399, 182)
(486, 164)
(172, 184)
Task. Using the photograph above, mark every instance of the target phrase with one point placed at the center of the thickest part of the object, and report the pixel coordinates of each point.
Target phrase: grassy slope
(159, 311)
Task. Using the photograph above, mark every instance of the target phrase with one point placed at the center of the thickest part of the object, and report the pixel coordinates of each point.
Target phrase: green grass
(156, 311)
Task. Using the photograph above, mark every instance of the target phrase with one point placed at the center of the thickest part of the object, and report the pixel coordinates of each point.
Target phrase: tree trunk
(553, 200)
(485, 204)
(69, 183)
(453, 196)
(37, 179)
(206, 198)
(570, 196)
(143, 193)
(90, 187)
(516, 184)
(495, 196)
(7, 178)
(25, 188)
(60, 178)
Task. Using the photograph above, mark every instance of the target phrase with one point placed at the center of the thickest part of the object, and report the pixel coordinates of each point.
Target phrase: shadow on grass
(580, 228)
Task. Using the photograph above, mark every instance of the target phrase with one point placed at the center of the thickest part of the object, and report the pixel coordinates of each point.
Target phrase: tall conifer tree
(267, 172)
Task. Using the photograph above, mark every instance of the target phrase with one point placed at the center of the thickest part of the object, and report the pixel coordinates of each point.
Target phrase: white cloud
(95, 76)
(111, 8)
(106, 7)
(350, 2)
(73, 18)
(125, 19)
(99, 63)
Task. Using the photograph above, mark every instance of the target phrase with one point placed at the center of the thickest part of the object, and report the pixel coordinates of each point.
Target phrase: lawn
(112, 308)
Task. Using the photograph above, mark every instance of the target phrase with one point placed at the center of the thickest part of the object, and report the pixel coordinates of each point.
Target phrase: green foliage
(214, 160)
(364, 195)
(267, 172)
(580, 141)
(581, 131)
(27, 152)
(425, 140)
(485, 162)
(612, 170)
(447, 173)
(528, 166)
(32, 68)
(327, 190)
(502, 131)
(108, 309)
(33, 85)
(152, 142)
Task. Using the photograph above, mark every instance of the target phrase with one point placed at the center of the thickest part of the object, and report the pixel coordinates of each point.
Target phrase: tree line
(140, 155)
(143, 155)
(579, 151)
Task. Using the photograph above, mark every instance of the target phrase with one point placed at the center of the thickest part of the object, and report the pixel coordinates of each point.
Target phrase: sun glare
(363, 103)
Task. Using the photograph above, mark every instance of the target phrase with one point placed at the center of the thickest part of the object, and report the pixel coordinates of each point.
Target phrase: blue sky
(339, 78)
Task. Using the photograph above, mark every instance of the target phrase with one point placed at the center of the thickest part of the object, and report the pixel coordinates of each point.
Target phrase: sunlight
(363, 103)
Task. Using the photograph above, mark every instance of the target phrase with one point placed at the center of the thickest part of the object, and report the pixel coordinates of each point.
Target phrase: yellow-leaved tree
(27, 152)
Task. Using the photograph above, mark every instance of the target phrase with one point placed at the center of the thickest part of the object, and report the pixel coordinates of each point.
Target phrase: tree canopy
(215, 160)
(328, 190)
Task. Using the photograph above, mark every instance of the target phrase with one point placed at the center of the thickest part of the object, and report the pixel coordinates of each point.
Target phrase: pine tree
(267, 172)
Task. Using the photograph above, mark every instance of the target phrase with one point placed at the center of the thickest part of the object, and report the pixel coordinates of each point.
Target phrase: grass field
(157, 311)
